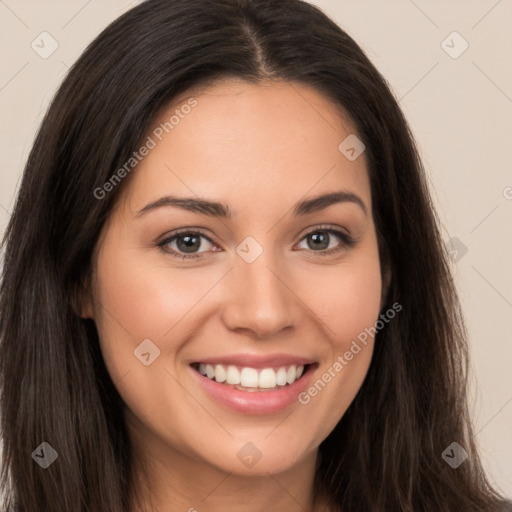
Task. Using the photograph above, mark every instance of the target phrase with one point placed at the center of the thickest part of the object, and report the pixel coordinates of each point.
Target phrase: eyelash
(347, 242)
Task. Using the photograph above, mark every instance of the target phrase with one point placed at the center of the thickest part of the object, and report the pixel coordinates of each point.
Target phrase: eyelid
(192, 229)
(323, 227)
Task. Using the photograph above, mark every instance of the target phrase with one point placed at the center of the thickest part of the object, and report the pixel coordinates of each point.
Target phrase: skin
(259, 149)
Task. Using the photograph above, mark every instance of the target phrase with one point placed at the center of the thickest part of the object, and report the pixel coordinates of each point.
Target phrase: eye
(319, 241)
(185, 244)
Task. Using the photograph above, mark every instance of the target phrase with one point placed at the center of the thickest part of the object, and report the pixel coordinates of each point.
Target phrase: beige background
(460, 110)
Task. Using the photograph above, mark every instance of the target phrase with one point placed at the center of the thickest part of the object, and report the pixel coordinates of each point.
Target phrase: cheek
(137, 302)
(146, 301)
(358, 303)
(347, 297)
(134, 302)
(348, 302)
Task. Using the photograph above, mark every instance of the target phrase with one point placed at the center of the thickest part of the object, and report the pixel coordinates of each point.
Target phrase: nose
(260, 300)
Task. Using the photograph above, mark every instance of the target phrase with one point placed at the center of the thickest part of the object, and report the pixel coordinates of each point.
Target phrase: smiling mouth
(252, 379)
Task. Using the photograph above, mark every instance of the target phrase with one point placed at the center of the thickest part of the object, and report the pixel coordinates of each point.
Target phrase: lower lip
(255, 402)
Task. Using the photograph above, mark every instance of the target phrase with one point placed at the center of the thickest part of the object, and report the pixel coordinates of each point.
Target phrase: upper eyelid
(183, 231)
(323, 227)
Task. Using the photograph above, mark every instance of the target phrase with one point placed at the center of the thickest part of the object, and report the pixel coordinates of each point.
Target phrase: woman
(224, 283)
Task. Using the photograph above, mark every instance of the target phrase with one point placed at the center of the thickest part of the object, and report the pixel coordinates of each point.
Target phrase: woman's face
(266, 289)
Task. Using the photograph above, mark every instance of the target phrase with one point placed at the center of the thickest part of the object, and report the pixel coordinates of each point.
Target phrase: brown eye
(186, 244)
(319, 240)
(323, 241)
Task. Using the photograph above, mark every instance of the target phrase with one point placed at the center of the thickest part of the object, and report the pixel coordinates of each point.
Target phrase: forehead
(248, 144)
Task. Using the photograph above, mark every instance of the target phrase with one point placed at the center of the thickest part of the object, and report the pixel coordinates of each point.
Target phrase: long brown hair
(385, 453)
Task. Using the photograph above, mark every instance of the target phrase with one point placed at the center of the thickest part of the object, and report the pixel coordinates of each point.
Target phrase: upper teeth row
(250, 377)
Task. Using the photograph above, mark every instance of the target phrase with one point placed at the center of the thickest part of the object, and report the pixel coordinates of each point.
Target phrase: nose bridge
(260, 299)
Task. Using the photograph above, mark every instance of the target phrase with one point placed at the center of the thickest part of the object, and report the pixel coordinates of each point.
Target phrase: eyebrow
(222, 211)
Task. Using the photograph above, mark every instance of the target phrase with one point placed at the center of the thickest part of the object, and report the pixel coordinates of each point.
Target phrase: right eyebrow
(203, 206)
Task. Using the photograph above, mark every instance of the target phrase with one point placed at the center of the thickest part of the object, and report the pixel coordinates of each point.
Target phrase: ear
(386, 269)
(386, 274)
(81, 302)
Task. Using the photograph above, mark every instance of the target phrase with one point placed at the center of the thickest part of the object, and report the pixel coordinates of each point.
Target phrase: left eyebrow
(323, 201)
(219, 210)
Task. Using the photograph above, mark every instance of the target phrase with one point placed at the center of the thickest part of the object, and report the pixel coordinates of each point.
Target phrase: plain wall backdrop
(449, 64)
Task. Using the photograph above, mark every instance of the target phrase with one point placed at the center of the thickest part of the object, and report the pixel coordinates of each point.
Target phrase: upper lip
(257, 361)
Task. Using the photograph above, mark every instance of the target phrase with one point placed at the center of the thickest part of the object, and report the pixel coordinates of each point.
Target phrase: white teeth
(267, 378)
(220, 373)
(210, 372)
(250, 378)
(291, 374)
(232, 375)
(281, 376)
